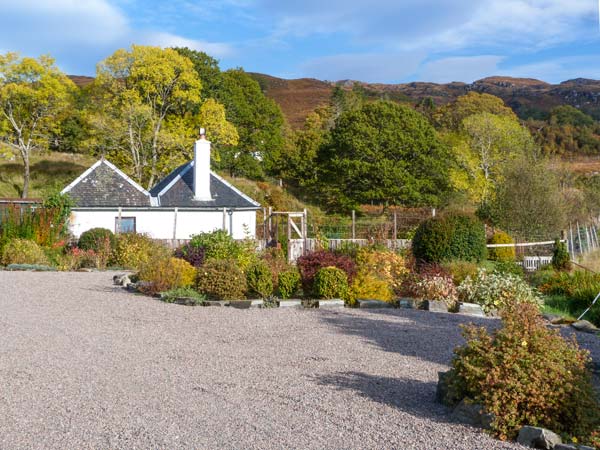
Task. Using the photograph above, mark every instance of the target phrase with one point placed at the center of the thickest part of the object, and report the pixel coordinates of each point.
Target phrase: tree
(34, 94)
(383, 153)
(207, 69)
(260, 126)
(141, 88)
(529, 203)
(451, 117)
(487, 143)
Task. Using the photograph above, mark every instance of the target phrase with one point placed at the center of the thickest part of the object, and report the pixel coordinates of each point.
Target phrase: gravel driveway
(84, 364)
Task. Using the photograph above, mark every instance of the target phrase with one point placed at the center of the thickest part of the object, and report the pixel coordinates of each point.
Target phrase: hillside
(528, 97)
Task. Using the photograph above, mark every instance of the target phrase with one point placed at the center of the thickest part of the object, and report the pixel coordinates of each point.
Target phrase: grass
(50, 172)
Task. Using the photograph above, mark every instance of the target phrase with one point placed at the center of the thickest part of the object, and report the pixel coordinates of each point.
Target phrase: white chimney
(202, 168)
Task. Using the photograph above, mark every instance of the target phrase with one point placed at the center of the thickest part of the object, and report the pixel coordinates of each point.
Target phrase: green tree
(207, 69)
(482, 151)
(34, 94)
(260, 125)
(140, 89)
(383, 153)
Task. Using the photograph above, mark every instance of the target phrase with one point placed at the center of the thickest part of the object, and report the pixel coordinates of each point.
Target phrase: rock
(290, 303)
(471, 309)
(537, 437)
(257, 304)
(407, 303)
(374, 304)
(215, 303)
(241, 304)
(565, 447)
(333, 303)
(436, 306)
(472, 414)
(550, 317)
(585, 326)
(562, 321)
(121, 280)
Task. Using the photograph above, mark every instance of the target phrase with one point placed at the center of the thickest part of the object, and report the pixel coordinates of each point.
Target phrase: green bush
(526, 374)
(331, 282)
(288, 283)
(222, 280)
(561, 260)
(259, 279)
(133, 251)
(496, 291)
(164, 273)
(186, 292)
(219, 244)
(508, 267)
(501, 253)
(23, 251)
(95, 238)
(460, 270)
(448, 238)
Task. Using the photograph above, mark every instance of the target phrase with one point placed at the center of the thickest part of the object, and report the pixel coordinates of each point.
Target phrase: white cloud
(558, 69)
(163, 39)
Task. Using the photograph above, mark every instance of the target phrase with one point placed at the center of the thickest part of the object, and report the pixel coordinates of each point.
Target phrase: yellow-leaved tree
(34, 94)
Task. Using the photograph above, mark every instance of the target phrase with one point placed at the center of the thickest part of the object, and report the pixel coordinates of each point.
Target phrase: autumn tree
(382, 153)
(486, 145)
(34, 94)
(451, 116)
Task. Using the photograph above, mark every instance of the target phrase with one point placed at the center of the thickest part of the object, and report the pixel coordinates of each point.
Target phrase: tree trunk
(25, 192)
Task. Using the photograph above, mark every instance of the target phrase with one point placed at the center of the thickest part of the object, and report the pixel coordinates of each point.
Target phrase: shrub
(187, 292)
(385, 265)
(579, 289)
(460, 270)
(192, 254)
(163, 274)
(508, 267)
(95, 238)
(221, 280)
(448, 238)
(310, 264)
(525, 374)
(259, 279)
(133, 251)
(76, 258)
(561, 260)
(501, 253)
(23, 251)
(331, 282)
(277, 262)
(219, 244)
(288, 283)
(496, 291)
(437, 287)
(368, 286)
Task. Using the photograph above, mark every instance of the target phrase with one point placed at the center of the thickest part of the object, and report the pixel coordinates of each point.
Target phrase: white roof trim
(114, 168)
(233, 188)
(176, 179)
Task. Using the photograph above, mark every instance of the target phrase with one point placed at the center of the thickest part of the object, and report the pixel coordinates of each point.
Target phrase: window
(127, 225)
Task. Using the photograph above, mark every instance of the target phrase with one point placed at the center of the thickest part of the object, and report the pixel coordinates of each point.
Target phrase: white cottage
(190, 200)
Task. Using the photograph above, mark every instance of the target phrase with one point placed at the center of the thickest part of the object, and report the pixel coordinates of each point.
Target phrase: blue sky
(387, 41)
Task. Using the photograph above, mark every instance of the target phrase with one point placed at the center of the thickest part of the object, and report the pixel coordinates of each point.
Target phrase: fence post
(395, 234)
(353, 225)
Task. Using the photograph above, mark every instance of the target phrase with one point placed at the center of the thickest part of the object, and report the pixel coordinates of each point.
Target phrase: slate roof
(177, 190)
(104, 185)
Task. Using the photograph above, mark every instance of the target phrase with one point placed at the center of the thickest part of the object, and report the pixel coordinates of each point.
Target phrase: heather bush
(76, 258)
(222, 280)
(330, 282)
(501, 253)
(310, 264)
(561, 260)
(133, 250)
(526, 374)
(190, 253)
(437, 287)
(164, 273)
(219, 245)
(186, 292)
(95, 239)
(277, 262)
(259, 279)
(370, 287)
(23, 251)
(450, 237)
(496, 291)
(288, 283)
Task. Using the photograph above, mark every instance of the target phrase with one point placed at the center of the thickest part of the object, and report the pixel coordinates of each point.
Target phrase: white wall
(159, 223)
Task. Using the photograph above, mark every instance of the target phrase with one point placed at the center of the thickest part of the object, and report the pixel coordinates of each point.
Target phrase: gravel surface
(84, 364)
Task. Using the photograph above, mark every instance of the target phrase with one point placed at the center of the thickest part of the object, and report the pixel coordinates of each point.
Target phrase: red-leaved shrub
(310, 264)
